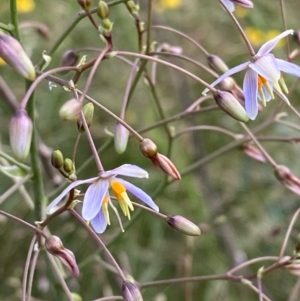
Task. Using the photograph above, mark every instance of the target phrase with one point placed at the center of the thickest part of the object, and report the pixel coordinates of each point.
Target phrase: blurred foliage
(242, 209)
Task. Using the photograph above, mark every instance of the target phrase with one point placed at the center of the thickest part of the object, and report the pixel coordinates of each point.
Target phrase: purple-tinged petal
(99, 222)
(126, 170)
(250, 92)
(229, 5)
(288, 67)
(227, 74)
(266, 66)
(269, 46)
(139, 193)
(69, 188)
(93, 199)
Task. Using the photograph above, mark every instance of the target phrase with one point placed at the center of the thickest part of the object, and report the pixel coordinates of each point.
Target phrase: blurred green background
(242, 210)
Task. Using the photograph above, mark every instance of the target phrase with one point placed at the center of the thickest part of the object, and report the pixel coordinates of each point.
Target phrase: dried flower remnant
(97, 197)
(263, 76)
(253, 152)
(20, 134)
(12, 52)
(230, 4)
(55, 247)
(287, 178)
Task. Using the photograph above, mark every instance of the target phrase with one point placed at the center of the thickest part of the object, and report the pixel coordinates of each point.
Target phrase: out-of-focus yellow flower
(241, 12)
(2, 62)
(167, 4)
(257, 37)
(25, 6)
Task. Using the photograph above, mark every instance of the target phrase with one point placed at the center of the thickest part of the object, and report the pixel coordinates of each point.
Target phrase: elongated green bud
(103, 10)
(12, 52)
(20, 134)
(88, 112)
(230, 105)
(57, 159)
(121, 138)
(69, 166)
(183, 225)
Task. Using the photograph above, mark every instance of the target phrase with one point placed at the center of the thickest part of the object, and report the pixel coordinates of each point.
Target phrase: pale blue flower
(230, 4)
(263, 76)
(96, 198)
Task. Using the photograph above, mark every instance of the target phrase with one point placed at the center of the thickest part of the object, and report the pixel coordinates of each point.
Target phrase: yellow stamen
(105, 209)
(117, 214)
(283, 85)
(262, 97)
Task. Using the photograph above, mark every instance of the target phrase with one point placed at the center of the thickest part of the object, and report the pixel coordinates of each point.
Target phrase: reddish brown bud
(253, 152)
(55, 247)
(287, 178)
(148, 148)
(131, 292)
(85, 4)
(69, 59)
(166, 165)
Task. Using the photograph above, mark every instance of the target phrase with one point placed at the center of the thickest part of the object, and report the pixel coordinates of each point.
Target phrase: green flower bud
(103, 10)
(88, 112)
(148, 148)
(183, 225)
(20, 133)
(217, 64)
(107, 26)
(131, 292)
(121, 138)
(69, 166)
(70, 109)
(12, 52)
(133, 8)
(57, 159)
(230, 105)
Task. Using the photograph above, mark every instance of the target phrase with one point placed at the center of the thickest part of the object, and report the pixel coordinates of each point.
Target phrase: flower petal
(93, 199)
(229, 5)
(140, 194)
(269, 46)
(126, 170)
(69, 188)
(288, 67)
(227, 74)
(99, 222)
(266, 66)
(250, 92)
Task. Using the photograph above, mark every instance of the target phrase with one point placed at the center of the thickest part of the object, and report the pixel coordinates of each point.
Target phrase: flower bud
(12, 52)
(121, 138)
(183, 225)
(103, 10)
(253, 152)
(148, 148)
(171, 49)
(20, 133)
(131, 292)
(55, 247)
(166, 165)
(57, 159)
(230, 105)
(85, 4)
(133, 8)
(69, 166)
(217, 64)
(88, 112)
(70, 109)
(107, 26)
(69, 59)
(287, 178)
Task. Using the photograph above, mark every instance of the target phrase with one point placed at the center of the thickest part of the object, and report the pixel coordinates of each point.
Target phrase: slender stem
(35, 229)
(14, 162)
(100, 242)
(283, 17)
(31, 273)
(26, 269)
(14, 19)
(149, 24)
(265, 153)
(149, 209)
(236, 22)
(294, 295)
(37, 178)
(60, 277)
(76, 147)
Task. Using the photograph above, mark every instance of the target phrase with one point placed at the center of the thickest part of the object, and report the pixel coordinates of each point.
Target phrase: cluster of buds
(65, 166)
(12, 52)
(103, 13)
(131, 292)
(20, 134)
(120, 138)
(88, 113)
(55, 247)
(183, 225)
(230, 105)
(70, 109)
(149, 149)
(287, 178)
